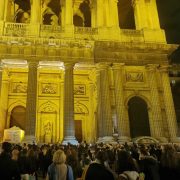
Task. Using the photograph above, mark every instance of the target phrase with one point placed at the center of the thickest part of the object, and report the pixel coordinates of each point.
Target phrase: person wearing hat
(8, 167)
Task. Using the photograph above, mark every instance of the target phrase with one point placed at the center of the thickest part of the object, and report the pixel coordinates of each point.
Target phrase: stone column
(30, 124)
(2, 9)
(7, 10)
(123, 123)
(99, 114)
(93, 15)
(35, 12)
(68, 12)
(140, 14)
(154, 14)
(113, 13)
(169, 105)
(100, 14)
(157, 130)
(69, 128)
(106, 114)
(62, 13)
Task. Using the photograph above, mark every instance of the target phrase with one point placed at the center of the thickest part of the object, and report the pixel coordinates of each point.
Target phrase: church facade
(94, 70)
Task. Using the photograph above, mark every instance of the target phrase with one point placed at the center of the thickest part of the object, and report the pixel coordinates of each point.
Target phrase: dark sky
(169, 14)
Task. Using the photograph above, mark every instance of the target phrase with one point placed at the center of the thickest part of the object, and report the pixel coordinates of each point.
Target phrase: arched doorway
(18, 117)
(138, 117)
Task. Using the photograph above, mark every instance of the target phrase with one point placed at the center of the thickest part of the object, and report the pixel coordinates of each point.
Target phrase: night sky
(169, 14)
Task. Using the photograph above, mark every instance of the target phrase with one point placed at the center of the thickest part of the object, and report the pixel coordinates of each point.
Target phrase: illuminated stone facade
(75, 72)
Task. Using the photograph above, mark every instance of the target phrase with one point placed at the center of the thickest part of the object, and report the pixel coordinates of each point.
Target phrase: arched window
(52, 13)
(18, 117)
(78, 21)
(126, 14)
(138, 117)
(22, 11)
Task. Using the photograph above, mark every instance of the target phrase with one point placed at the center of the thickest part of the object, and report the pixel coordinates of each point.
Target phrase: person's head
(125, 162)
(102, 157)
(24, 152)
(170, 158)
(31, 153)
(143, 152)
(6, 147)
(59, 157)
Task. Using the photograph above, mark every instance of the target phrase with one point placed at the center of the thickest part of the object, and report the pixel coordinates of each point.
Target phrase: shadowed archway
(138, 117)
(18, 117)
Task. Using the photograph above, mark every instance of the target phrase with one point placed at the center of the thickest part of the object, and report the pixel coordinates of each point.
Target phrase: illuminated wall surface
(94, 70)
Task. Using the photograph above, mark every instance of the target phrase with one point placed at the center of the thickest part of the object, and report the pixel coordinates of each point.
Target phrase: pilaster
(4, 89)
(99, 117)
(91, 114)
(123, 123)
(169, 105)
(157, 130)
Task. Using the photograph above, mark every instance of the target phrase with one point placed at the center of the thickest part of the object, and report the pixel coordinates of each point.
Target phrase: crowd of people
(90, 162)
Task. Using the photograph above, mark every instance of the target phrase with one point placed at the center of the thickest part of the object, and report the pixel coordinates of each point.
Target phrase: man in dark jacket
(149, 166)
(25, 165)
(8, 168)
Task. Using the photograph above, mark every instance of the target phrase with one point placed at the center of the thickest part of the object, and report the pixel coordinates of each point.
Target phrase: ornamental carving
(79, 89)
(19, 88)
(134, 77)
(49, 88)
(79, 110)
(49, 109)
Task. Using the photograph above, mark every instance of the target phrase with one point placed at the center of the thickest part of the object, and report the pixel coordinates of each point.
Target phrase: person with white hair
(58, 170)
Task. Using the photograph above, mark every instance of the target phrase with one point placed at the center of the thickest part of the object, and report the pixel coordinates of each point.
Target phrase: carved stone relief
(49, 88)
(134, 76)
(79, 89)
(19, 87)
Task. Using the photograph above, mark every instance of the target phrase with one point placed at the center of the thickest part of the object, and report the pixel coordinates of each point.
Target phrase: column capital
(164, 68)
(32, 63)
(118, 66)
(68, 65)
(151, 67)
(103, 66)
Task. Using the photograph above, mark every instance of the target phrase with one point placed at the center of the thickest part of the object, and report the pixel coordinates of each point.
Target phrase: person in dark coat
(149, 166)
(97, 170)
(170, 164)
(76, 166)
(25, 165)
(8, 168)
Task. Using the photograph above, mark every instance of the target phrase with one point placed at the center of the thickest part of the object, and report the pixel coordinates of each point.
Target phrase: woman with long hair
(127, 168)
(97, 170)
(170, 164)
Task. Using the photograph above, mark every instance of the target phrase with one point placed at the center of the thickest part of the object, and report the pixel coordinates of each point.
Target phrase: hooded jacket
(149, 166)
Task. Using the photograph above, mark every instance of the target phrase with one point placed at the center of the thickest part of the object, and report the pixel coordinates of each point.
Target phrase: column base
(70, 139)
(28, 139)
(100, 140)
(174, 140)
(109, 139)
(162, 139)
(123, 139)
